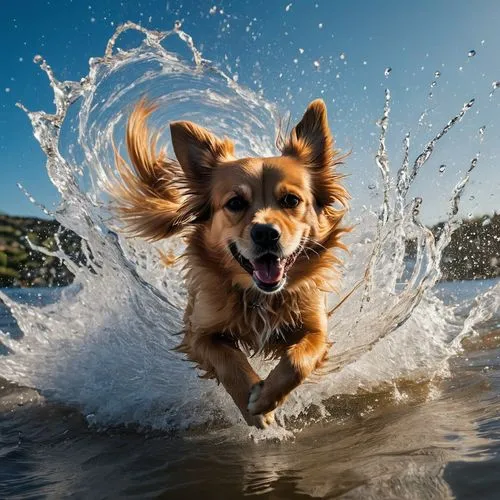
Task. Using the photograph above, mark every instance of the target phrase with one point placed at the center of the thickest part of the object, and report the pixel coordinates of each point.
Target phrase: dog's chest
(254, 320)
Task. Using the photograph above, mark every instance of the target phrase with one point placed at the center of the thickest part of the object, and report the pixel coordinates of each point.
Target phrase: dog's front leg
(298, 362)
(221, 358)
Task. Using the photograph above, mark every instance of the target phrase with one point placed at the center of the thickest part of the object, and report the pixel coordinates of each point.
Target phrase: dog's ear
(197, 150)
(311, 142)
(144, 194)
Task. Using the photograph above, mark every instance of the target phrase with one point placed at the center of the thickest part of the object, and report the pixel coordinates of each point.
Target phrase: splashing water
(106, 345)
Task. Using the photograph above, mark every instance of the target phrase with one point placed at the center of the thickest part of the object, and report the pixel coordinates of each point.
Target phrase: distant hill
(474, 251)
(22, 266)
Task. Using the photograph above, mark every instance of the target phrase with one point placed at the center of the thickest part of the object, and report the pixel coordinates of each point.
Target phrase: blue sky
(273, 46)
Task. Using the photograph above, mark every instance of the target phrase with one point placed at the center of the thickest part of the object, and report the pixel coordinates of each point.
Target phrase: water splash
(106, 345)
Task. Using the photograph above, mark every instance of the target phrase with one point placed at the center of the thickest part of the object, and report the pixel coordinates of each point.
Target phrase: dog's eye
(237, 204)
(290, 201)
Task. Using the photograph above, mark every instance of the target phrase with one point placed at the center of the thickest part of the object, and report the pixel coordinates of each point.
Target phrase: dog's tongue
(268, 269)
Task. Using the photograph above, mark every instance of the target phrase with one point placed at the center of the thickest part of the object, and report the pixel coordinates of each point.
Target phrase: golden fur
(229, 314)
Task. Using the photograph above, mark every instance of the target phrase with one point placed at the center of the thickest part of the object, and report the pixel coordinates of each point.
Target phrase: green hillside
(22, 266)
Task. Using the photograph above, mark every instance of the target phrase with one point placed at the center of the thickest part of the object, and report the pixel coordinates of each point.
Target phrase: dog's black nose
(265, 235)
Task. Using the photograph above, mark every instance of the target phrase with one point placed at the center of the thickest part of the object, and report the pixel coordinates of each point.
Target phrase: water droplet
(387, 72)
(433, 84)
(472, 197)
(92, 19)
(482, 129)
(39, 59)
(460, 68)
(177, 25)
(482, 42)
(342, 56)
(470, 104)
(437, 74)
(213, 10)
(365, 63)
(494, 86)
(235, 77)
(371, 186)
(470, 215)
(316, 64)
(295, 60)
(417, 202)
(21, 59)
(486, 222)
(7, 89)
(471, 53)
(287, 8)
(301, 51)
(430, 95)
(442, 168)
(320, 25)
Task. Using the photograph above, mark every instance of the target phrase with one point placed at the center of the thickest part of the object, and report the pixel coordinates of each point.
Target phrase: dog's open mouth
(268, 271)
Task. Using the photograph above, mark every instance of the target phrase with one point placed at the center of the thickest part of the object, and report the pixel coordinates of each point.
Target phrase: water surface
(436, 439)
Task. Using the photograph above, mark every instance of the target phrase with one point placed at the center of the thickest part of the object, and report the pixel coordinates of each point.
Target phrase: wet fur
(227, 317)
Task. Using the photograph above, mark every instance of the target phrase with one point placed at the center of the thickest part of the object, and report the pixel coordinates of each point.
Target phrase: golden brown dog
(259, 235)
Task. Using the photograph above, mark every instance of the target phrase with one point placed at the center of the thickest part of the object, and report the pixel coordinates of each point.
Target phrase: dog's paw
(261, 419)
(253, 397)
(259, 402)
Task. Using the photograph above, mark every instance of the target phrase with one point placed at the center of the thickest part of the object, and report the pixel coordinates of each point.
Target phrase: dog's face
(262, 214)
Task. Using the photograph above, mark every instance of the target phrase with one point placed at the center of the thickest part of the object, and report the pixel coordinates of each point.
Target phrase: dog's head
(267, 219)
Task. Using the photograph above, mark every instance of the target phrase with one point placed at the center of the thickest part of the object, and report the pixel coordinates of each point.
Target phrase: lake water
(418, 439)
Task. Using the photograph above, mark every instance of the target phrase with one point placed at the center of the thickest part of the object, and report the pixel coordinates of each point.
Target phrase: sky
(292, 52)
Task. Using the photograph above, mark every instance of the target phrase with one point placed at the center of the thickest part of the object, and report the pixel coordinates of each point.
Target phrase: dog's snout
(265, 234)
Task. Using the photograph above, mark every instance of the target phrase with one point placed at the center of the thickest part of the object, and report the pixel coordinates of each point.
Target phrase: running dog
(260, 234)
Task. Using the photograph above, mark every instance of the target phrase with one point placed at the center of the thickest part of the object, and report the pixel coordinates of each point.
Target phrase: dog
(260, 234)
